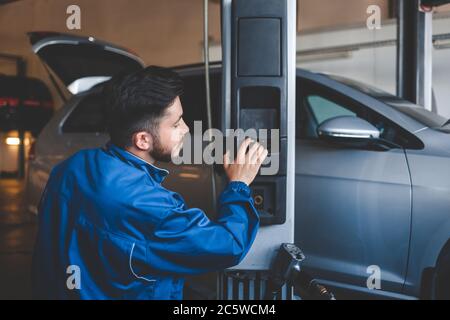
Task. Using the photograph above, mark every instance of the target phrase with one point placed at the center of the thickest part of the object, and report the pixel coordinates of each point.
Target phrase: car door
(353, 204)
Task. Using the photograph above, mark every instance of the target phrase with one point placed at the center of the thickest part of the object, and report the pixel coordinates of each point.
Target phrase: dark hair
(136, 102)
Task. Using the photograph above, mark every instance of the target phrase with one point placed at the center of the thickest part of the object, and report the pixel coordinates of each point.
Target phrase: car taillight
(14, 102)
(37, 103)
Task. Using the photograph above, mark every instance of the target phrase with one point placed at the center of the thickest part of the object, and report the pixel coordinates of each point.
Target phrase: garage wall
(323, 14)
(162, 32)
(165, 32)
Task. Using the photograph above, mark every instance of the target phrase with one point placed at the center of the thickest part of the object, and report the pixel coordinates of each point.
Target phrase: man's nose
(186, 129)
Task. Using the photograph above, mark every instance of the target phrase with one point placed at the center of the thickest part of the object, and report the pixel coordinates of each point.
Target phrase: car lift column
(258, 63)
(414, 53)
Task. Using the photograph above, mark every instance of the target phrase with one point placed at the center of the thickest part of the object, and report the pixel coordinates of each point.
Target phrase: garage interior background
(169, 33)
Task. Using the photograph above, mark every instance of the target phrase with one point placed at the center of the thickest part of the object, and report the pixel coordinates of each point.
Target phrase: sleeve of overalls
(186, 241)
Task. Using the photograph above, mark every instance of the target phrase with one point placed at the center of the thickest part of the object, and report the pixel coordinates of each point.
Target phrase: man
(108, 229)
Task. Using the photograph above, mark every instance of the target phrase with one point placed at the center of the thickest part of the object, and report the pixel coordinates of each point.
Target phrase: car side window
(87, 117)
(316, 104)
(323, 109)
(193, 100)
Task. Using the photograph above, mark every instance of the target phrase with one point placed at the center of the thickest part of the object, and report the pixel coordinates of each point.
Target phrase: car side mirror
(347, 128)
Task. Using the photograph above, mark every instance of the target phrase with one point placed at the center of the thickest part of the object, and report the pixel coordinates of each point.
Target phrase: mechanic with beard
(108, 229)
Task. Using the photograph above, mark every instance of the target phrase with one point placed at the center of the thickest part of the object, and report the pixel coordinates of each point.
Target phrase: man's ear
(143, 140)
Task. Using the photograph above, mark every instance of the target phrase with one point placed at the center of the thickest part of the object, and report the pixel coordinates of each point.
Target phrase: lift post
(258, 85)
(415, 50)
(414, 53)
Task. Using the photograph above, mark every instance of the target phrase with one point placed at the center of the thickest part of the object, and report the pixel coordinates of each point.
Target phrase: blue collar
(158, 174)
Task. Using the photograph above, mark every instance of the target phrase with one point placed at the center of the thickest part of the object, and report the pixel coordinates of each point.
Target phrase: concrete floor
(17, 235)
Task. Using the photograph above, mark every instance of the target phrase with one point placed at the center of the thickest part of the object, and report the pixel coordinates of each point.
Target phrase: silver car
(372, 170)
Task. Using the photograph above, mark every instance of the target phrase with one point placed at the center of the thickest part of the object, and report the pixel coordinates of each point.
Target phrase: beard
(161, 154)
(158, 152)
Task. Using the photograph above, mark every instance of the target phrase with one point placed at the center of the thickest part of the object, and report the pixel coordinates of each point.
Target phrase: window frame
(307, 87)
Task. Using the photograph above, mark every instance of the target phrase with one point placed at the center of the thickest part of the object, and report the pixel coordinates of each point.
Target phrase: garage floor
(17, 234)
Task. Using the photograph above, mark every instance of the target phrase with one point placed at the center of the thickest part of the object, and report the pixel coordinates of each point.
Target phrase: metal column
(414, 53)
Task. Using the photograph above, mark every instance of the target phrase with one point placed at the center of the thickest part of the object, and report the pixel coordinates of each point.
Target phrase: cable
(208, 92)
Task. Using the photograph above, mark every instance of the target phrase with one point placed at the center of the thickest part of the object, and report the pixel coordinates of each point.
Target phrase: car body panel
(430, 175)
(365, 219)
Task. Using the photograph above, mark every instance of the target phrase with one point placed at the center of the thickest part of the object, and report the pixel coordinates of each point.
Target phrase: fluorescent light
(12, 141)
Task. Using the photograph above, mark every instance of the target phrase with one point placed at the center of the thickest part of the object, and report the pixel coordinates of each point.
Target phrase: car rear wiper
(446, 123)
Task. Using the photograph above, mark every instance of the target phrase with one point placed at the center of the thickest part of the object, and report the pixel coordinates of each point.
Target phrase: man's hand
(247, 165)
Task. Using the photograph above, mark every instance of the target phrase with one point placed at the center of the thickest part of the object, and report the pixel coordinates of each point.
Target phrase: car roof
(341, 84)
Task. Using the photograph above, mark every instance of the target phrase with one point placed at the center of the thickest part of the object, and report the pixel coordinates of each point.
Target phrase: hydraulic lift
(258, 85)
(258, 93)
(414, 50)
